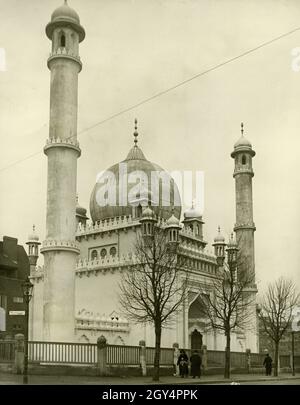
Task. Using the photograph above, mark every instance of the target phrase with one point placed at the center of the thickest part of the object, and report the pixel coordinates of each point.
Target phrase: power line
(168, 90)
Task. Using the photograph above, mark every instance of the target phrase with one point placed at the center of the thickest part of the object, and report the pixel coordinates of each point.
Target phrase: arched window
(113, 251)
(103, 253)
(94, 255)
(63, 41)
(244, 160)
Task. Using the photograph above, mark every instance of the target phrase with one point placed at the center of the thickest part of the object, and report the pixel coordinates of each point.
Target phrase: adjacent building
(14, 269)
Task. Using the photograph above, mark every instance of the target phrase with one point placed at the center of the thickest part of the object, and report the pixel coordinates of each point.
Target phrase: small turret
(232, 250)
(148, 221)
(33, 249)
(219, 246)
(193, 221)
(173, 228)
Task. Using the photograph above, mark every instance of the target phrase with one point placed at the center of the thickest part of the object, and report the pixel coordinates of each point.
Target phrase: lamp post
(27, 287)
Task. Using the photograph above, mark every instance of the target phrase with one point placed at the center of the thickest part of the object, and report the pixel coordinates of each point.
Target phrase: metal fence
(7, 351)
(66, 353)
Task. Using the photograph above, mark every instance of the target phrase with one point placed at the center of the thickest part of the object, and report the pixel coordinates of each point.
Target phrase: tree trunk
(276, 359)
(157, 352)
(227, 356)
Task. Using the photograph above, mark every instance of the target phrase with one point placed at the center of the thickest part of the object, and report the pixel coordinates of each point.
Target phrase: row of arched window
(103, 253)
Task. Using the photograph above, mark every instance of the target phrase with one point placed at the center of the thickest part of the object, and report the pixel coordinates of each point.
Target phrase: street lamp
(27, 288)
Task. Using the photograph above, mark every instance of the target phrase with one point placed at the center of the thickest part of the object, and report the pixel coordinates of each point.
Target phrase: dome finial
(136, 134)
(219, 229)
(77, 198)
(242, 128)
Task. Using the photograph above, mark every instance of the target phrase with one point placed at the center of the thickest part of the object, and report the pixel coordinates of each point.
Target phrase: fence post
(248, 359)
(101, 355)
(143, 364)
(19, 353)
(175, 358)
(204, 357)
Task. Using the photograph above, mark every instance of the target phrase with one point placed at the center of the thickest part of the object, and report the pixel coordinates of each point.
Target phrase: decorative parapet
(86, 320)
(64, 53)
(246, 225)
(110, 263)
(107, 225)
(51, 244)
(194, 253)
(242, 170)
(187, 232)
(66, 143)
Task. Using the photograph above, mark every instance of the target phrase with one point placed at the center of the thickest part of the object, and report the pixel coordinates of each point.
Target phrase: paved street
(12, 379)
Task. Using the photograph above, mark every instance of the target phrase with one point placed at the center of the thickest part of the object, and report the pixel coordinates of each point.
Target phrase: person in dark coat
(268, 364)
(182, 362)
(196, 362)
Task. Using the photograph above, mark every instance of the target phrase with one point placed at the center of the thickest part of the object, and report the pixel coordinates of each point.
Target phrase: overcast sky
(133, 50)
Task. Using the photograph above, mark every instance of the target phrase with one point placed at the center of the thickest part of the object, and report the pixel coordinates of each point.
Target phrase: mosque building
(76, 291)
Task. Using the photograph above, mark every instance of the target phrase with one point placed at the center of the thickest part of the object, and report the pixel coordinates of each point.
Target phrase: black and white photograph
(149, 195)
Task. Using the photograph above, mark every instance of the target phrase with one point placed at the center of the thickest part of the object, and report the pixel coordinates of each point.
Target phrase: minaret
(62, 149)
(219, 247)
(244, 227)
(33, 249)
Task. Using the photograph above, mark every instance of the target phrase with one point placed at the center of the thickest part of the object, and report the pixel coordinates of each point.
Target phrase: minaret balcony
(248, 225)
(243, 170)
(65, 143)
(64, 53)
(55, 245)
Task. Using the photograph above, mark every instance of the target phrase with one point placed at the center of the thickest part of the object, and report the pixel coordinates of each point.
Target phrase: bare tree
(154, 289)
(228, 306)
(276, 312)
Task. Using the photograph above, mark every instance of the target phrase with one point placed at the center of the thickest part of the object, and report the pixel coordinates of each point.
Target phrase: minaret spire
(136, 134)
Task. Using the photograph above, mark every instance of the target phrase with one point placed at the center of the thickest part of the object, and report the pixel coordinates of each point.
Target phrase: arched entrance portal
(197, 324)
(196, 340)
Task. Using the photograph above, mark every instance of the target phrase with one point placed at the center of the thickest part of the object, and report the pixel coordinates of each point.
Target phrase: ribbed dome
(147, 213)
(219, 238)
(33, 237)
(192, 213)
(80, 210)
(135, 162)
(232, 242)
(242, 142)
(242, 145)
(65, 12)
(172, 222)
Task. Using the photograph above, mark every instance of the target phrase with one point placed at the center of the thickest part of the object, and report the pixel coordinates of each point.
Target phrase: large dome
(166, 196)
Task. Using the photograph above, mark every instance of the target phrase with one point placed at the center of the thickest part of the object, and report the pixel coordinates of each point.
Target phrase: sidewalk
(13, 379)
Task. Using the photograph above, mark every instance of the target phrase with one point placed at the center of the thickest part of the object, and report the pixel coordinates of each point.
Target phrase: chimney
(10, 247)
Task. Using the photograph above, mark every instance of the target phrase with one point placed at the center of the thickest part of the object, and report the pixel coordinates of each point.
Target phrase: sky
(134, 50)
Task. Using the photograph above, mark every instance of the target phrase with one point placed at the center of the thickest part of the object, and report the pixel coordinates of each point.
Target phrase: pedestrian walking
(182, 362)
(196, 362)
(268, 364)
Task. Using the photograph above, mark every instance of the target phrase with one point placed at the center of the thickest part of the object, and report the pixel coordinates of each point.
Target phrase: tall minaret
(244, 227)
(59, 249)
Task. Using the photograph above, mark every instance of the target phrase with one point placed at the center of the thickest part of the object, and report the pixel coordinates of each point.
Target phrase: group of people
(183, 363)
